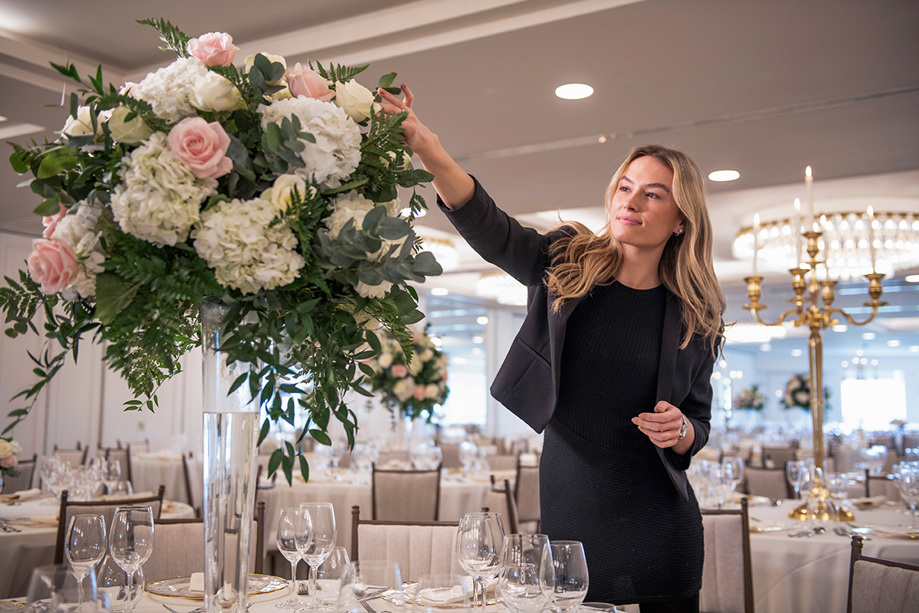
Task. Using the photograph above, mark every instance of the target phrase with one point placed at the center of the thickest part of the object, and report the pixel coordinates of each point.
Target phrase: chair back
(775, 457)
(178, 548)
(194, 485)
(502, 461)
(500, 498)
(769, 482)
(877, 585)
(105, 508)
(526, 495)
(420, 548)
(123, 456)
(23, 480)
(76, 457)
(881, 485)
(727, 574)
(405, 495)
(450, 455)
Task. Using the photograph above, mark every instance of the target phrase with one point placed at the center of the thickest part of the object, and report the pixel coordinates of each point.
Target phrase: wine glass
(522, 588)
(131, 539)
(909, 489)
(329, 578)
(293, 537)
(479, 543)
(571, 577)
(437, 592)
(798, 474)
(111, 474)
(55, 589)
(322, 538)
(732, 467)
(84, 546)
(370, 579)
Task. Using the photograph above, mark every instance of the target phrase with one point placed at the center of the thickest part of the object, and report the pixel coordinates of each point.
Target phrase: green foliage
(338, 73)
(175, 39)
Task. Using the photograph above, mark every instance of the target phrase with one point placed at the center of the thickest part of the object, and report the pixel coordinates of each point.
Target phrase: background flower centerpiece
(273, 189)
(414, 384)
(750, 398)
(9, 456)
(798, 393)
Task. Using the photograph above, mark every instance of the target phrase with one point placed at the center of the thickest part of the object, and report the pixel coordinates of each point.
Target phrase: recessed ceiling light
(797, 353)
(724, 175)
(914, 348)
(869, 336)
(893, 343)
(481, 320)
(840, 328)
(911, 278)
(573, 91)
(439, 291)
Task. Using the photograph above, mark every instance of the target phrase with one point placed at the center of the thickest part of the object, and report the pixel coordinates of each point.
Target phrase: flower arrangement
(412, 383)
(750, 398)
(9, 455)
(798, 392)
(273, 189)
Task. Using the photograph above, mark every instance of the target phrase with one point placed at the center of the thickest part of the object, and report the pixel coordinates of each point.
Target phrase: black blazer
(527, 382)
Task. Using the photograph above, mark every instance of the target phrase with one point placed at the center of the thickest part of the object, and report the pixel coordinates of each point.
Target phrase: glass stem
(293, 580)
(314, 572)
(80, 591)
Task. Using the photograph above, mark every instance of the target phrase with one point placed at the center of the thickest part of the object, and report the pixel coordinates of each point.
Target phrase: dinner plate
(769, 526)
(409, 595)
(895, 532)
(178, 587)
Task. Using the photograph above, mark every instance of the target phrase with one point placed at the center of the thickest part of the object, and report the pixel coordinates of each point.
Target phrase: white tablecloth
(20, 552)
(149, 470)
(459, 494)
(811, 574)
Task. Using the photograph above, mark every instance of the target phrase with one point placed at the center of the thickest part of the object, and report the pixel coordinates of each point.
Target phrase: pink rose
(52, 264)
(419, 392)
(303, 81)
(50, 223)
(214, 48)
(9, 461)
(128, 89)
(398, 371)
(202, 146)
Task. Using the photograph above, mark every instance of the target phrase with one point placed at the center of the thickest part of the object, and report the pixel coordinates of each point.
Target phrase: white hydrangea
(159, 200)
(404, 388)
(337, 150)
(352, 205)
(171, 89)
(236, 239)
(80, 232)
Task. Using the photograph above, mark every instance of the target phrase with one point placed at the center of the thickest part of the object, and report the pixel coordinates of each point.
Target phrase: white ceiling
(764, 87)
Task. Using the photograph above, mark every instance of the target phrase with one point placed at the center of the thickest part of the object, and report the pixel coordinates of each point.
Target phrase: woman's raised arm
(454, 186)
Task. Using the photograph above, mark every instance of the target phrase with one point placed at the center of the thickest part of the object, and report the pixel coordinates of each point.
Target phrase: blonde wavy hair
(583, 260)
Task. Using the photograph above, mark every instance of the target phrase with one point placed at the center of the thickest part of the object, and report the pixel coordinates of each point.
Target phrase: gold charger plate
(9, 606)
(178, 587)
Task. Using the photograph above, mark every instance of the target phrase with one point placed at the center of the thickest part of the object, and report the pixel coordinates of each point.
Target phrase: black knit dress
(601, 481)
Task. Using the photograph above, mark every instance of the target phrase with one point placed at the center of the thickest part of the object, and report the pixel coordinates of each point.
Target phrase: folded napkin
(439, 596)
(196, 584)
(21, 495)
(44, 520)
(870, 502)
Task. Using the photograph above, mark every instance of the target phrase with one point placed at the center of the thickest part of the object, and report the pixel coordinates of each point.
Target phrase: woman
(612, 361)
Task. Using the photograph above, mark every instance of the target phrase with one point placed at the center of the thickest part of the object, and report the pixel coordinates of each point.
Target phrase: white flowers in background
(80, 125)
(80, 231)
(237, 239)
(9, 450)
(750, 398)
(159, 198)
(171, 89)
(336, 152)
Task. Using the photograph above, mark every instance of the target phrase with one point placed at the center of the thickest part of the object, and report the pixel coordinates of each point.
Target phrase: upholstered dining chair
(22, 481)
(405, 495)
(877, 585)
(775, 457)
(178, 548)
(76, 456)
(769, 482)
(420, 547)
(105, 508)
(526, 495)
(881, 485)
(500, 498)
(190, 486)
(727, 574)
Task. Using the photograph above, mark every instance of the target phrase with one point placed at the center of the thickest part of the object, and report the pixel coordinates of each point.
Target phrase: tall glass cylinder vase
(230, 438)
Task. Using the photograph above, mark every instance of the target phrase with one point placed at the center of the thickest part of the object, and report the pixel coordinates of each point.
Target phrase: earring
(679, 232)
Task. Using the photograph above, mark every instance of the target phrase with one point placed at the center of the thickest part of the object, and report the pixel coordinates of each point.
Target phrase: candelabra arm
(852, 322)
(790, 312)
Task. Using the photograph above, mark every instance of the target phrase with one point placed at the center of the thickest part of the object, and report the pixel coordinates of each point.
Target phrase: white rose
(354, 99)
(132, 132)
(250, 62)
(373, 291)
(426, 355)
(216, 93)
(415, 365)
(6, 448)
(404, 388)
(81, 124)
(385, 360)
(280, 194)
(431, 391)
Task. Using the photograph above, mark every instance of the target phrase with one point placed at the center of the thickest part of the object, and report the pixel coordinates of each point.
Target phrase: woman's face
(642, 213)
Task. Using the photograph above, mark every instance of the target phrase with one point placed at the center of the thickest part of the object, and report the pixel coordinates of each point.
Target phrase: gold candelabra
(807, 311)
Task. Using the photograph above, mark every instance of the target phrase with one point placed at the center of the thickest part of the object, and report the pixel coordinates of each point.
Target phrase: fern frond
(176, 40)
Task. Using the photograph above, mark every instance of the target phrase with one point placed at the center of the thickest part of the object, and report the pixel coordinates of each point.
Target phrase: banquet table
(460, 493)
(33, 545)
(811, 574)
(149, 470)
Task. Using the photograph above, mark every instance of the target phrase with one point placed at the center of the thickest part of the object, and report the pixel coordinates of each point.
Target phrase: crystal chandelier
(850, 241)
(501, 287)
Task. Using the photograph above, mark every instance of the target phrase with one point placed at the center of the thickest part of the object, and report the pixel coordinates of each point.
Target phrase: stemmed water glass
(479, 544)
(909, 489)
(293, 537)
(798, 474)
(131, 539)
(732, 470)
(527, 577)
(111, 475)
(571, 577)
(321, 542)
(84, 546)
